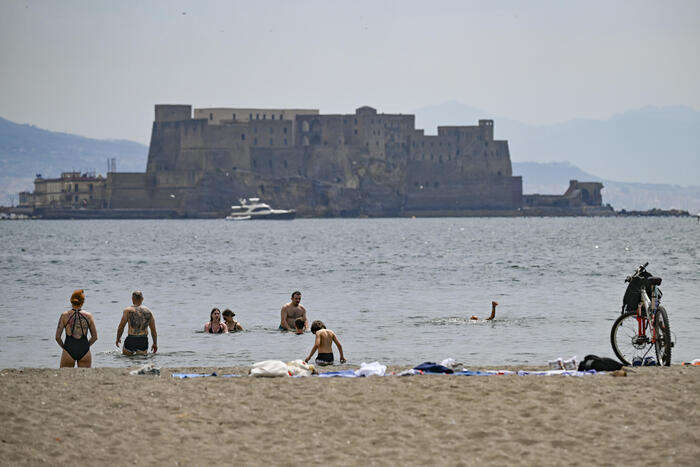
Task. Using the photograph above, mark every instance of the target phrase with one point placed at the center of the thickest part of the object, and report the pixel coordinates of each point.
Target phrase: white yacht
(252, 208)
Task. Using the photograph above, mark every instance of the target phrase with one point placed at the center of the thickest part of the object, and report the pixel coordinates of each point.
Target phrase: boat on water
(254, 209)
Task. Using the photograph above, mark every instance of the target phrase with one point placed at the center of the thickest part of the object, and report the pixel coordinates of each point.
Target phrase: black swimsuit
(77, 348)
(221, 329)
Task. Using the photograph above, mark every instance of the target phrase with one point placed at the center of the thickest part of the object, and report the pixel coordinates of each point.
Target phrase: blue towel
(201, 375)
(191, 375)
(338, 374)
(473, 373)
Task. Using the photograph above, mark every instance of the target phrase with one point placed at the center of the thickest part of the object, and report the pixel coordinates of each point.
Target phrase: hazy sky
(97, 68)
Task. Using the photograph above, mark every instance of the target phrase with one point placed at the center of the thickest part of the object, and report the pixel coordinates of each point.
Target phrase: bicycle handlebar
(637, 272)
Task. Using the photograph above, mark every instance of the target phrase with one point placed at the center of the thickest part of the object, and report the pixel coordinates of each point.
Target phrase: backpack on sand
(594, 362)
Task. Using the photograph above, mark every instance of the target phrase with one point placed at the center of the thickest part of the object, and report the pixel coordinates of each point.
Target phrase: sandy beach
(105, 415)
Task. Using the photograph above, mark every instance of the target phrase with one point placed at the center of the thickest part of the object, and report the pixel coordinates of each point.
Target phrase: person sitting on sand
(299, 325)
(76, 322)
(140, 319)
(324, 341)
(231, 324)
(493, 313)
(291, 311)
(215, 326)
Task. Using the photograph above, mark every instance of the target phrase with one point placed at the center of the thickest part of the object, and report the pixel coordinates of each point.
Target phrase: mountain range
(26, 150)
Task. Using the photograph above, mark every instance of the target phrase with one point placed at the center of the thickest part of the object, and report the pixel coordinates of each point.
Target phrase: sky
(97, 68)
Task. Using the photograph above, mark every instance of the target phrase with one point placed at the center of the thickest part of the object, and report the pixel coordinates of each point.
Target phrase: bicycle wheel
(628, 340)
(663, 337)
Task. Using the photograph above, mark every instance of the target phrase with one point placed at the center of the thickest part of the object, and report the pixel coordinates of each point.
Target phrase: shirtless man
(291, 311)
(493, 313)
(324, 344)
(140, 319)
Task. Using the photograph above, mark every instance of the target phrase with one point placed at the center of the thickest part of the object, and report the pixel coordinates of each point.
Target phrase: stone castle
(361, 164)
(364, 163)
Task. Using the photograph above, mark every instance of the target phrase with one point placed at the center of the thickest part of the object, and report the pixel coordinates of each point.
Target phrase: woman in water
(76, 323)
(215, 326)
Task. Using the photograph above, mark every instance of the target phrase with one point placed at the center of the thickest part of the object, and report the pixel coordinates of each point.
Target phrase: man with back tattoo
(140, 319)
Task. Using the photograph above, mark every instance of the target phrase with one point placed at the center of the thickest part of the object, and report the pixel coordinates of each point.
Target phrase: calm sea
(399, 291)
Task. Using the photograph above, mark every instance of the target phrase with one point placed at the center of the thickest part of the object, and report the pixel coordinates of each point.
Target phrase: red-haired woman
(76, 323)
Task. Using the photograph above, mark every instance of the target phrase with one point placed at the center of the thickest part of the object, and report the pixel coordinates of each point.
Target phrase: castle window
(271, 143)
(432, 157)
(280, 116)
(355, 131)
(76, 198)
(269, 163)
(255, 164)
(273, 116)
(440, 159)
(272, 130)
(257, 116)
(90, 186)
(499, 173)
(76, 187)
(211, 116)
(255, 141)
(262, 189)
(285, 163)
(242, 136)
(285, 141)
(250, 116)
(436, 184)
(457, 153)
(255, 129)
(305, 126)
(264, 117)
(284, 130)
(355, 121)
(234, 116)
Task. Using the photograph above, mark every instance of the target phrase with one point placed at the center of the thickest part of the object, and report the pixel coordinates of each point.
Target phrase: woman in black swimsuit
(76, 323)
(215, 326)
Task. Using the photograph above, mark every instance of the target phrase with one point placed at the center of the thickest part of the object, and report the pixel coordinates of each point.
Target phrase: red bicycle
(643, 324)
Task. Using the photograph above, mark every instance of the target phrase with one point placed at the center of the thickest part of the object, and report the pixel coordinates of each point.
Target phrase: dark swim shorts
(325, 358)
(136, 343)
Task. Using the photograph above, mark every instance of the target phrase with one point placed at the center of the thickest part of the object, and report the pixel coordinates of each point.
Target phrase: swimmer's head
(299, 323)
(215, 313)
(77, 298)
(137, 297)
(317, 326)
(228, 313)
(296, 297)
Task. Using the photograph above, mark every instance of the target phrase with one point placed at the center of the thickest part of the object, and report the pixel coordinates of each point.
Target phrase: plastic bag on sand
(371, 369)
(269, 369)
(300, 368)
(147, 369)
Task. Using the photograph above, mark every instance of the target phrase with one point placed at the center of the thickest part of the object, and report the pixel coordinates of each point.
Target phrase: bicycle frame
(647, 318)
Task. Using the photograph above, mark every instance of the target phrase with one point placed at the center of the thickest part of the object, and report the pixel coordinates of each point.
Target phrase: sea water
(398, 291)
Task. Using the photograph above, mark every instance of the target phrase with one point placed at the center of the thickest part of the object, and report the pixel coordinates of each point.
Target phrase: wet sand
(105, 415)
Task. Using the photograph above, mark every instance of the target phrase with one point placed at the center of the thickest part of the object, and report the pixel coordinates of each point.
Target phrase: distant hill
(651, 144)
(26, 150)
(553, 178)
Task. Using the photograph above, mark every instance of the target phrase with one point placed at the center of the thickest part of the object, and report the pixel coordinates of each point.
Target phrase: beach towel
(695, 362)
(269, 369)
(371, 369)
(338, 374)
(201, 375)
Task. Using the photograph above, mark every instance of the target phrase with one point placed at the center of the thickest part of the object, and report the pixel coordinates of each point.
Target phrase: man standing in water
(140, 319)
(291, 312)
